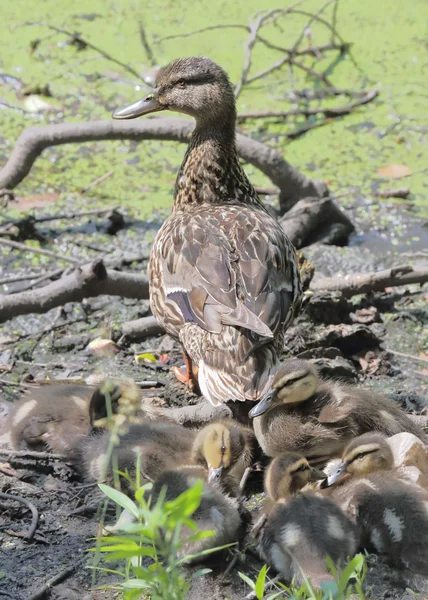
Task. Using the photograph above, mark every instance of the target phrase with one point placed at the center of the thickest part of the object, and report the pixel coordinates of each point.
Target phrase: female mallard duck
(301, 530)
(223, 448)
(224, 278)
(317, 418)
(392, 514)
(53, 417)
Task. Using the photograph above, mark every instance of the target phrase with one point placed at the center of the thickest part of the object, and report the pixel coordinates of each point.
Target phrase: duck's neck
(211, 172)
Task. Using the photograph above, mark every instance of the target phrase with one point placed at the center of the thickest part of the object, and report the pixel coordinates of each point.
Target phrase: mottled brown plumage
(302, 529)
(392, 514)
(223, 275)
(318, 418)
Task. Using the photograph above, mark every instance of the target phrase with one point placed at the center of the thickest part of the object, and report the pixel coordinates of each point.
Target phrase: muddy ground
(346, 343)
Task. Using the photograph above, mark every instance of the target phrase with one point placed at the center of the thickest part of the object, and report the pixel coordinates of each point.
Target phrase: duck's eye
(181, 84)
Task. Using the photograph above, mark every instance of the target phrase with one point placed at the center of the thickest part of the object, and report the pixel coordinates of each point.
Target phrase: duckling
(224, 277)
(217, 512)
(392, 514)
(317, 418)
(223, 448)
(302, 529)
(53, 417)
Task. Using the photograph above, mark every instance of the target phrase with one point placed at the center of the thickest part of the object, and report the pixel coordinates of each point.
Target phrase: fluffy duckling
(392, 514)
(316, 418)
(50, 417)
(223, 448)
(217, 512)
(302, 529)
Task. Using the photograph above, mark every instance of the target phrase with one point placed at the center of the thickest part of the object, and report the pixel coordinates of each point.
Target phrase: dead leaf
(394, 171)
(102, 346)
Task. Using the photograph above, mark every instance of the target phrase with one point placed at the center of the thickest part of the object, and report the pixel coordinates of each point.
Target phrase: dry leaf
(394, 171)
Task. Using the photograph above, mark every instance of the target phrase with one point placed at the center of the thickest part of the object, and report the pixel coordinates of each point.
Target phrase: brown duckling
(224, 448)
(217, 512)
(317, 418)
(302, 529)
(53, 416)
(392, 514)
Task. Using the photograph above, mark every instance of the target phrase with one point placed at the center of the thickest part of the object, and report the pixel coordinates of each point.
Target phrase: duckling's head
(289, 473)
(366, 454)
(195, 86)
(218, 446)
(295, 381)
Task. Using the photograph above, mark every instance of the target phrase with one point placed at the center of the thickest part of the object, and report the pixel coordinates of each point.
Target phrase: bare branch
(140, 329)
(362, 283)
(146, 45)
(293, 184)
(19, 246)
(330, 112)
(87, 281)
(79, 40)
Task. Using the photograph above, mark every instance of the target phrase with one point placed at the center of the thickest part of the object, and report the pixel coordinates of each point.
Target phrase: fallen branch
(140, 329)
(362, 283)
(87, 281)
(34, 513)
(57, 255)
(293, 185)
(61, 576)
(313, 220)
(330, 112)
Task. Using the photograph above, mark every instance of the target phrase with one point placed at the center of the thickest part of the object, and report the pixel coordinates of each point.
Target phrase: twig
(329, 112)
(409, 356)
(79, 39)
(146, 45)
(13, 384)
(19, 246)
(41, 279)
(88, 281)
(361, 283)
(75, 215)
(64, 574)
(394, 193)
(24, 454)
(97, 181)
(34, 513)
(308, 24)
(16, 278)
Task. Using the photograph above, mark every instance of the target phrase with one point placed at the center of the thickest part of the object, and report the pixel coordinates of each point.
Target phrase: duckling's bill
(261, 407)
(340, 474)
(149, 104)
(214, 475)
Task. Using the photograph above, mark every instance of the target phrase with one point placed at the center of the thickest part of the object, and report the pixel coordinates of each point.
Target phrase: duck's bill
(317, 474)
(340, 474)
(147, 105)
(261, 407)
(214, 475)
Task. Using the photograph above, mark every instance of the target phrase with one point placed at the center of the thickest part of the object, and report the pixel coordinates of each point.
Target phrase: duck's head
(295, 381)
(218, 446)
(195, 86)
(289, 473)
(366, 454)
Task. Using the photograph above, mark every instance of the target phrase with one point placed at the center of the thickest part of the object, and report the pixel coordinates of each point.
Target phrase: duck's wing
(230, 266)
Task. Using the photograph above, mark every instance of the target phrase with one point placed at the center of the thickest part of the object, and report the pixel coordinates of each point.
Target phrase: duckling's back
(53, 415)
(160, 446)
(392, 515)
(302, 532)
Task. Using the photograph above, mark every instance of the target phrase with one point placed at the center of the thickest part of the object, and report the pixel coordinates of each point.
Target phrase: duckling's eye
(223, 449)
(361, 455)
(303, 468)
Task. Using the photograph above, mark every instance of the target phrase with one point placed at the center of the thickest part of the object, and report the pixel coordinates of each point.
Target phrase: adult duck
(224, 278)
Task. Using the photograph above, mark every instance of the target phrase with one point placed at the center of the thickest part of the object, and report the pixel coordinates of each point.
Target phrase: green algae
(389, 53)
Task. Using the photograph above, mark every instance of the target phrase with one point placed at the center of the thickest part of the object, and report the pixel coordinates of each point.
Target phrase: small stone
(409, 451)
